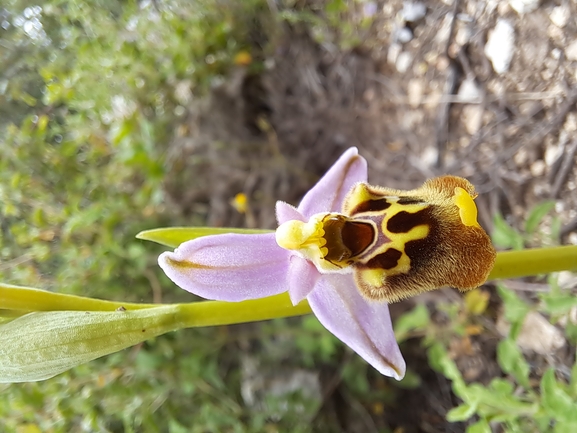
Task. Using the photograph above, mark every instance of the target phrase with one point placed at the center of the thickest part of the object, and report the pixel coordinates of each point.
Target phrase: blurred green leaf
(571, 332)
(481, 426)
(336, 6)
(461, 413)
(565, 427)
(515, 309)
(502, 386)
(556, 400)
(174, 236)
(537, 214)
(511, 360)
(556, 226)
(558, 303)
(504, 236)
(439, 360)
(415, 320)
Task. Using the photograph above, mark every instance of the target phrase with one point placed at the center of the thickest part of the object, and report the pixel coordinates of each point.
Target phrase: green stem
(523, 263)
(509, 264)
(212, 313)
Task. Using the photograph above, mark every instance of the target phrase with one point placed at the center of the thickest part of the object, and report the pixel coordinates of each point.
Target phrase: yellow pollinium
(467, 207)
(306, 238)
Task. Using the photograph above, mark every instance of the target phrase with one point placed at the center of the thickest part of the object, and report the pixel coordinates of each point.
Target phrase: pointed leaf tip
(174, 236)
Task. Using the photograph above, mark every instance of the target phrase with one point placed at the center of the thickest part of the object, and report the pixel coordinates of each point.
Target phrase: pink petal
(230, 267)
(285, 212)
(329, 192)
(303, 276)
(364, 326)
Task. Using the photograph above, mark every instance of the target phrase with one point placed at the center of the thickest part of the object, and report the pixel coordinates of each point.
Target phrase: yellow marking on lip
(373, 277)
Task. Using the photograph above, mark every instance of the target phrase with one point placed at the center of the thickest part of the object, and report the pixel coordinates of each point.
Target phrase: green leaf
(565, 427)
(511, 360)
(481, 426)
(174, 236)
(437, 356)
(461, 413)
(556, 225)
(504, 407)
(505, 236)
(336, 6)
(537, 214)
(542, 420)
(558, 303)
(556, 400)
(502, 386)
(513, 425)
(439, 360)
(27, 299)
(515, 309)
(416, 319)
(40, 345)
(571, 332)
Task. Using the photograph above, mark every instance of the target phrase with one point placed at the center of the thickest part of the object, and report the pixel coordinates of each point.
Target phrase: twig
(442, 123)
(522, 286)
(456, 5)
(565, 169)
(538, 136)
(370, 425)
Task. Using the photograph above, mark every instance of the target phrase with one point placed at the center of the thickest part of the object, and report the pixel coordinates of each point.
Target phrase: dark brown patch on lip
(336, 250)
(372, 206)
(357, 236)
(423, 252)
(410, 200)
(404, 222)
(386, 260)
(346, 239)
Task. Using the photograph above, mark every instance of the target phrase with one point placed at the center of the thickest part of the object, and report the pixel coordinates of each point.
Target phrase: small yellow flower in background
(476, 301)
(242, 58)
(240, 202)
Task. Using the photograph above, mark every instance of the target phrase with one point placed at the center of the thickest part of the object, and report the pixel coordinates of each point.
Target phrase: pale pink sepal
(364, 326)
(229, 267)
(286, 212)
(330, 191)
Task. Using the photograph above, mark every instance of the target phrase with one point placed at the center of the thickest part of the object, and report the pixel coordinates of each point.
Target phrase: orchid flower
(343, 253)
(237, 267)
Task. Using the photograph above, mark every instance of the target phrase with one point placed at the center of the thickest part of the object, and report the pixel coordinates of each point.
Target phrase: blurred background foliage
(91, 95)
